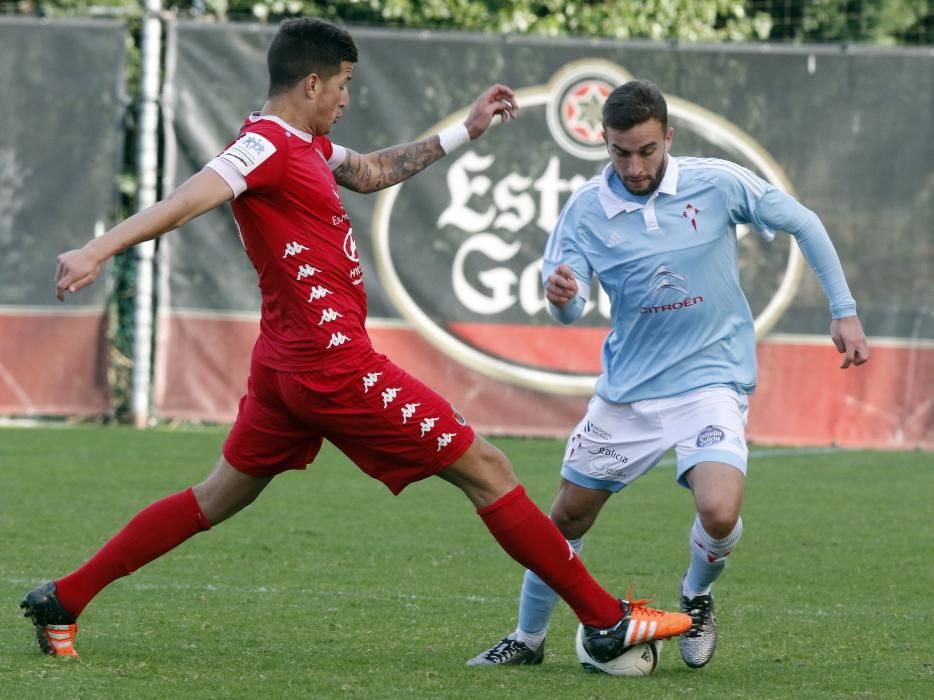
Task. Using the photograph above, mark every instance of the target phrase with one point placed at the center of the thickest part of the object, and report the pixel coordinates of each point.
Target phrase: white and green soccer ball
(635, 662)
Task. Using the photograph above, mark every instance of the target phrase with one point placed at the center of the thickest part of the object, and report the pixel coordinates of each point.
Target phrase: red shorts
(387, 422)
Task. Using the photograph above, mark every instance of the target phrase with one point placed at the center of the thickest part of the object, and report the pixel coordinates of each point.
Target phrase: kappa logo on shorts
(427, 425)
(369, 380)
(390, 395)
(444, 440)
(710, 435)
(408, 411)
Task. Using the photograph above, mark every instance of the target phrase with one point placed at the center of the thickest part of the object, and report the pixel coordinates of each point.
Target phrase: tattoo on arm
(382, 169)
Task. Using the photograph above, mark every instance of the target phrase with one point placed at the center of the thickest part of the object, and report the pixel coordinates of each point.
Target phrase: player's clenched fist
(76, 269)
(561, 286)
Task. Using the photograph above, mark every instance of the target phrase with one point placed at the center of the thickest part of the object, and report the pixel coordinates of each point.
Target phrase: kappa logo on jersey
(369, 380)
(408, 411)
(710, 435)
(427, 425)
(337, 339)
(350, 247)
(318, 293)
(329, 315)
(389, 395)
(444, 440)
(293, 248)
(307, 271)
(248, 152)
(691, 212)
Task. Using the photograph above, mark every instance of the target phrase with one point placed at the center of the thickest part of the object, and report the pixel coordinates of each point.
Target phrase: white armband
(454, 137)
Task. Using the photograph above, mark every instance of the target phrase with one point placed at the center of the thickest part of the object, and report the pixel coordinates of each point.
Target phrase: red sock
(151, 533)
(530, 538)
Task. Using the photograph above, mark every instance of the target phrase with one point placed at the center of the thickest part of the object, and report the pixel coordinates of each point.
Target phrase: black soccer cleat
(639, 623)
(55, 626)
(510, 652)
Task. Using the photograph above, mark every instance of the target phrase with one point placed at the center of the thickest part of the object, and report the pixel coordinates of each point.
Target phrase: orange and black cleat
(639, 623)
(55, 627)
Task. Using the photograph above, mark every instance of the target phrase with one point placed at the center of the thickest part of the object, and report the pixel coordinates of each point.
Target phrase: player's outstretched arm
(200, 193)
(847, 334)
(381, 169)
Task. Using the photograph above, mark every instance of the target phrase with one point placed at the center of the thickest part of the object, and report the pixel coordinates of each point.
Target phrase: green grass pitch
(328, 587)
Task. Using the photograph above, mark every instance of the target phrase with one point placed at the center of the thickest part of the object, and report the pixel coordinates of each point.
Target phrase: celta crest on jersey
(248, 152)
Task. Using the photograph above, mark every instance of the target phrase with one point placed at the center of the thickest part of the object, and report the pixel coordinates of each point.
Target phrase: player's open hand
(496, 101)
(76, 269)
(847, 334)
(561, 286)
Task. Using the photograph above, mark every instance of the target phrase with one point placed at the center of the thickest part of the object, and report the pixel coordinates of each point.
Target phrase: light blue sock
(708, 558)
(537, 603)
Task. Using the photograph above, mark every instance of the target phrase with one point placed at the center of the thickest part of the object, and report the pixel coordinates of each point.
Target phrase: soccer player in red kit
(314, 373)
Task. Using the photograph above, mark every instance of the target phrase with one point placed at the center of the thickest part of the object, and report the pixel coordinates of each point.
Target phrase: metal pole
(147, 167)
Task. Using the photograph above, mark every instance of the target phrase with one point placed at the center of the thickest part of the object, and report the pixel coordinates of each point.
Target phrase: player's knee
(572, 524)
(719, 521)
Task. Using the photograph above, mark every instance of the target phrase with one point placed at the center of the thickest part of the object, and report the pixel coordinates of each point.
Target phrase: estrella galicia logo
(475, 292)
(710, 435)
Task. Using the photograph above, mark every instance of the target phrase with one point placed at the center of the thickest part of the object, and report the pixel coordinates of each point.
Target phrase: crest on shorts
(458, 417)
(710, 435)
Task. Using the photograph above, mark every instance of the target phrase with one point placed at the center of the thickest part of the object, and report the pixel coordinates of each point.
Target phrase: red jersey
(300, 241)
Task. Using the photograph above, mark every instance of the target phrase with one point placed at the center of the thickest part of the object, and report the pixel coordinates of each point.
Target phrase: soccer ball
(636, 661)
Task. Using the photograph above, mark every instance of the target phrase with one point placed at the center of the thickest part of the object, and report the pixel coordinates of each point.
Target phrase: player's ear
(311, 83)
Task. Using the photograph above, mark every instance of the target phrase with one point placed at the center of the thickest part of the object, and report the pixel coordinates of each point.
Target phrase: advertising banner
(452, 257)
(61, 148)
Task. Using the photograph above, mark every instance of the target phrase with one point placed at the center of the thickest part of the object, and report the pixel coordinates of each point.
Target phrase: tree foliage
(870, 21)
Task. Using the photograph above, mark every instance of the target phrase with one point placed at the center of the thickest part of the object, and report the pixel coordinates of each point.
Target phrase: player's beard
(653, 185)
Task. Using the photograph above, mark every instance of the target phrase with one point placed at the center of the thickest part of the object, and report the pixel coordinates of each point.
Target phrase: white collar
(613, 204)
(304, 135)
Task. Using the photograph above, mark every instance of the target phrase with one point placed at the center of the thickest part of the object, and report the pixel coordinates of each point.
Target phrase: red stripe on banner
(803, 397)
(53, 364)
(568, 349)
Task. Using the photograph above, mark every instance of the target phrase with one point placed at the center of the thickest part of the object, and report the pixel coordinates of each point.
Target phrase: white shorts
(615, 444)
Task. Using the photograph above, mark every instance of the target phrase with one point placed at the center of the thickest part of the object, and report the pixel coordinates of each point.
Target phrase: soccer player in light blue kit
(659, 233)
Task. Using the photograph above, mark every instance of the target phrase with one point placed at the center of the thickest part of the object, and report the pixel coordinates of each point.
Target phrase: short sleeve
(254, 161)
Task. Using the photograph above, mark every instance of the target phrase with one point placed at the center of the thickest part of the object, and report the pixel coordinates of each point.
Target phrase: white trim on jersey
(338, 156)
(745, 176)
(230, 174)
(303, 135)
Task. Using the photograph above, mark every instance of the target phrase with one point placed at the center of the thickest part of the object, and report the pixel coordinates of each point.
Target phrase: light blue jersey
(669, 263)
